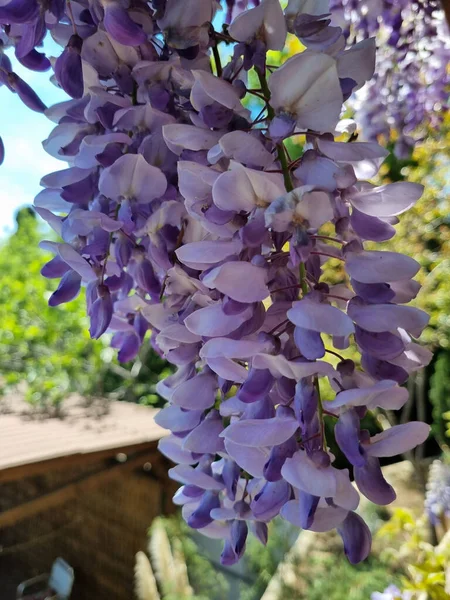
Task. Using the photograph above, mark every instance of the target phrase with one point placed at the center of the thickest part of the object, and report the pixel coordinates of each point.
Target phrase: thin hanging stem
(217, 60)
(334, 353)
(69, 8)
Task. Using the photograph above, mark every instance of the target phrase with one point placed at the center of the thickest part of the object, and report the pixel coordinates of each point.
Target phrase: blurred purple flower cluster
(183, 215)
(392, 592)
(410, 88)
(437, 499)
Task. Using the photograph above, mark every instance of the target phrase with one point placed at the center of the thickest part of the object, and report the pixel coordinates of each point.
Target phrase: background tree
(47, 352)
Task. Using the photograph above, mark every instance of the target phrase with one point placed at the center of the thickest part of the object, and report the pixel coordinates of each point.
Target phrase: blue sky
(23, 131)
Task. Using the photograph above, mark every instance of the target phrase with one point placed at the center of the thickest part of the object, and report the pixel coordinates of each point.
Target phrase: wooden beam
(32, 507)
(63, 462)
(446, 9)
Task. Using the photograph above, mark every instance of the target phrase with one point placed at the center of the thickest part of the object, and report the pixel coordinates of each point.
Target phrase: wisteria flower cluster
(410, 88)
(182, 214)
(437, 498)
(392, 592)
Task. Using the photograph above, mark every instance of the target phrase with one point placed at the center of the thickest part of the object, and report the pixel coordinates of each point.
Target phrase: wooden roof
(104, 427)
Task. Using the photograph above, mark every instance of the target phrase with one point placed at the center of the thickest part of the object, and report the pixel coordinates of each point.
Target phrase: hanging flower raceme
(410, 88)
(183, 216)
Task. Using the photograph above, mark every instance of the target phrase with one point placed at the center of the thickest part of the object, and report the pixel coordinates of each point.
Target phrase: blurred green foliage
(46, 352)
(424, 231)
(440, 397)
(405, 543)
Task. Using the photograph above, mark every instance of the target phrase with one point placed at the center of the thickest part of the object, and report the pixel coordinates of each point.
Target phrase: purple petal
(187, 475)
(371, 228)
(256, 386)
(201, 515)
(268, 502)
(121, 27)
(197, 393)
(356, 537)
(372, 484)
(302, 473)
(68, 69)
(320, 317)
(177, 419)
(26, 93)
(239, 280)
(257, 432)
(389, 317)
(309, 343)
(385, 394)
(384, 345)
(132, 177)
(387, 200)
(252, 460)
(346, 432)
(307, 85)
(280, 366)
(68, 289)
(379, 267)
(171, 447)
(398, 439)
(101, 313)
(201, 255)
(206, 437)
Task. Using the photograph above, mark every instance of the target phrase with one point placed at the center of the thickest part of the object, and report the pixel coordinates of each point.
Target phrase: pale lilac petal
(365, 157)
(363, 396)
(389, 317)
(354, 152)
(239, 280)
(177, 420)
(179, 137)
(245, 148)
(387, 200)
(320, 317)
(92, 145)
(202, 255)
(261, 432)
(179, 333)
(228, 369)
(380, 266)
(188, 476)
(358, 63)
(307, 85)
(325, 519)
(206, 437)
(71, 257)
(252, 460)
(398, 439)
(225, 347)
(265, 22)
(170, 446)
(51, 200)
(413, 358)
(314, 206)
(302, 473)
(280, 366)
(197, 393)
(132, 177)
(405, 290)
(346, 495)
(211, 321)
(217, 90)
(243, 189)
